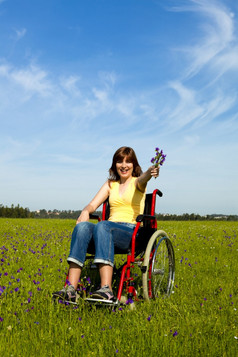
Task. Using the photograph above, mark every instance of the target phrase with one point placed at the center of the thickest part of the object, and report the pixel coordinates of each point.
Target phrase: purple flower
(159, 158)
(129, 301)
(149, 318)
(175, 333)
(1, 319)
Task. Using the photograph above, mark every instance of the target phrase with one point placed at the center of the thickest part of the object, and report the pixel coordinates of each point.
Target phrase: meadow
(200, 318)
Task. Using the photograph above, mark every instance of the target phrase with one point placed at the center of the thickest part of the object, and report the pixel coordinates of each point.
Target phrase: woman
(125, 188)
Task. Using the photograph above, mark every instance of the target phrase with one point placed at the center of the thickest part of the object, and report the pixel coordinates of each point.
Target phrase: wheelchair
(149, 268)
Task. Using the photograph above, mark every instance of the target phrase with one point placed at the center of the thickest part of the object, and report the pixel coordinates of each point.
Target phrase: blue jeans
(106, 236)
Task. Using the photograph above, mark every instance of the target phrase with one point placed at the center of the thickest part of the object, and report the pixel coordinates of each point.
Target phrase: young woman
(125, 188)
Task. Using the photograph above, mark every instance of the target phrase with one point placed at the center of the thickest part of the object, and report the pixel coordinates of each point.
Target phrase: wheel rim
(158, 266)
(161, 271)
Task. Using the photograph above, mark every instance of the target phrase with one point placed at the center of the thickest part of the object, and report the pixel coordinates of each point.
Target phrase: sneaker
(66, 294)
(104, 293)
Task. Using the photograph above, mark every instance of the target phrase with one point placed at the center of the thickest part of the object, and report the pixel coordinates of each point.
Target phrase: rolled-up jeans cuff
(73, 260)
(103, 261)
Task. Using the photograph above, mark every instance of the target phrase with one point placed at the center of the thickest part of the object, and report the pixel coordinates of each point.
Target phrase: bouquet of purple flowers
(159, 158)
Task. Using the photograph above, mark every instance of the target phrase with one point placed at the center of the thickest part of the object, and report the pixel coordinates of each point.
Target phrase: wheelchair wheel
(158, 268)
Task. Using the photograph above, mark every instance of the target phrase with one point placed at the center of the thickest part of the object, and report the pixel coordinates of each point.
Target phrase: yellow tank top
(125, 207)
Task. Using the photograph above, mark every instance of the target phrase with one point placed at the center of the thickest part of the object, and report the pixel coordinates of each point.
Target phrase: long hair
(120, 154)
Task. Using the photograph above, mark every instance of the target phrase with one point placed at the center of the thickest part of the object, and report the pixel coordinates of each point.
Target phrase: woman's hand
(84, 217)
(154, 171)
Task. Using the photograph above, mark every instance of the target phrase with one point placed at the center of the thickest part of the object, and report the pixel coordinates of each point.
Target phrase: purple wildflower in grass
(29, 300)
(80, 318)
(205, 299)
(117, 351)
(175, 333)
(82, 336)
(1, 319)
(6, 274)
(129, 301)
(149, 318)
(16, 289)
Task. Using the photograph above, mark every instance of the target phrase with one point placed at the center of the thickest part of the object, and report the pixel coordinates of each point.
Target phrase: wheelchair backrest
(150, 200)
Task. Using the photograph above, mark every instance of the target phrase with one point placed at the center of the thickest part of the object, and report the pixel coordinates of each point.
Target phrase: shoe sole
(63, 298)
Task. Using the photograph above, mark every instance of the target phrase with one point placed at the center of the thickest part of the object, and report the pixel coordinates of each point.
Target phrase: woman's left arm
(142, 180)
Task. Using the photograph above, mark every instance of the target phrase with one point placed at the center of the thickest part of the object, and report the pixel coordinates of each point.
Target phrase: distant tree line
(15, 212)
(196, 217)
(20, 212)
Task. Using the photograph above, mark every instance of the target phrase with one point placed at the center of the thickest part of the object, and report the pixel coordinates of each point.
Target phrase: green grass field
(199, 319)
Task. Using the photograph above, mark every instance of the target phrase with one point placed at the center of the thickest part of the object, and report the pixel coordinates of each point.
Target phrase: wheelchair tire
(158, 268)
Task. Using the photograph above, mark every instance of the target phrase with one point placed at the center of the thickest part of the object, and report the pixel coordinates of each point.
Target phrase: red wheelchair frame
(157, 249)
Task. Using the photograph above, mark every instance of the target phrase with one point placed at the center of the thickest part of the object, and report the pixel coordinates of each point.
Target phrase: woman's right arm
(100, 197)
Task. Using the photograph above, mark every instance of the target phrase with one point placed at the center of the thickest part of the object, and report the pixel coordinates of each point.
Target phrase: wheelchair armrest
(159, 193)
(143, 217)
(94, 216)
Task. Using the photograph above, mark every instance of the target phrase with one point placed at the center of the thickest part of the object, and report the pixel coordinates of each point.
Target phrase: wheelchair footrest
(103, 302)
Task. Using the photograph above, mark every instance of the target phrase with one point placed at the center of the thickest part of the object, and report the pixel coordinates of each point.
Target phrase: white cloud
(187, 110)
(70, 84)
(217, 34)
(32, 79)
(20, 33)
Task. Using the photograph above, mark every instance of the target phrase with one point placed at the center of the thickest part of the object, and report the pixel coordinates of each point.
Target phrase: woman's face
(124, 168)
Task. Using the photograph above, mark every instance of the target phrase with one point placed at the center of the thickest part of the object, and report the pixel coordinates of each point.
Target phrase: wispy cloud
(32, 79)
(202, 88)
(20, 33)
(217, 34)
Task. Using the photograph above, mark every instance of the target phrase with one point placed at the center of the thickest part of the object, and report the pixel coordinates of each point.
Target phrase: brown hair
(119, 155)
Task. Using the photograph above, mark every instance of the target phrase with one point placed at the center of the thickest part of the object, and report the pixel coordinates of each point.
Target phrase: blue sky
(78, 79)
